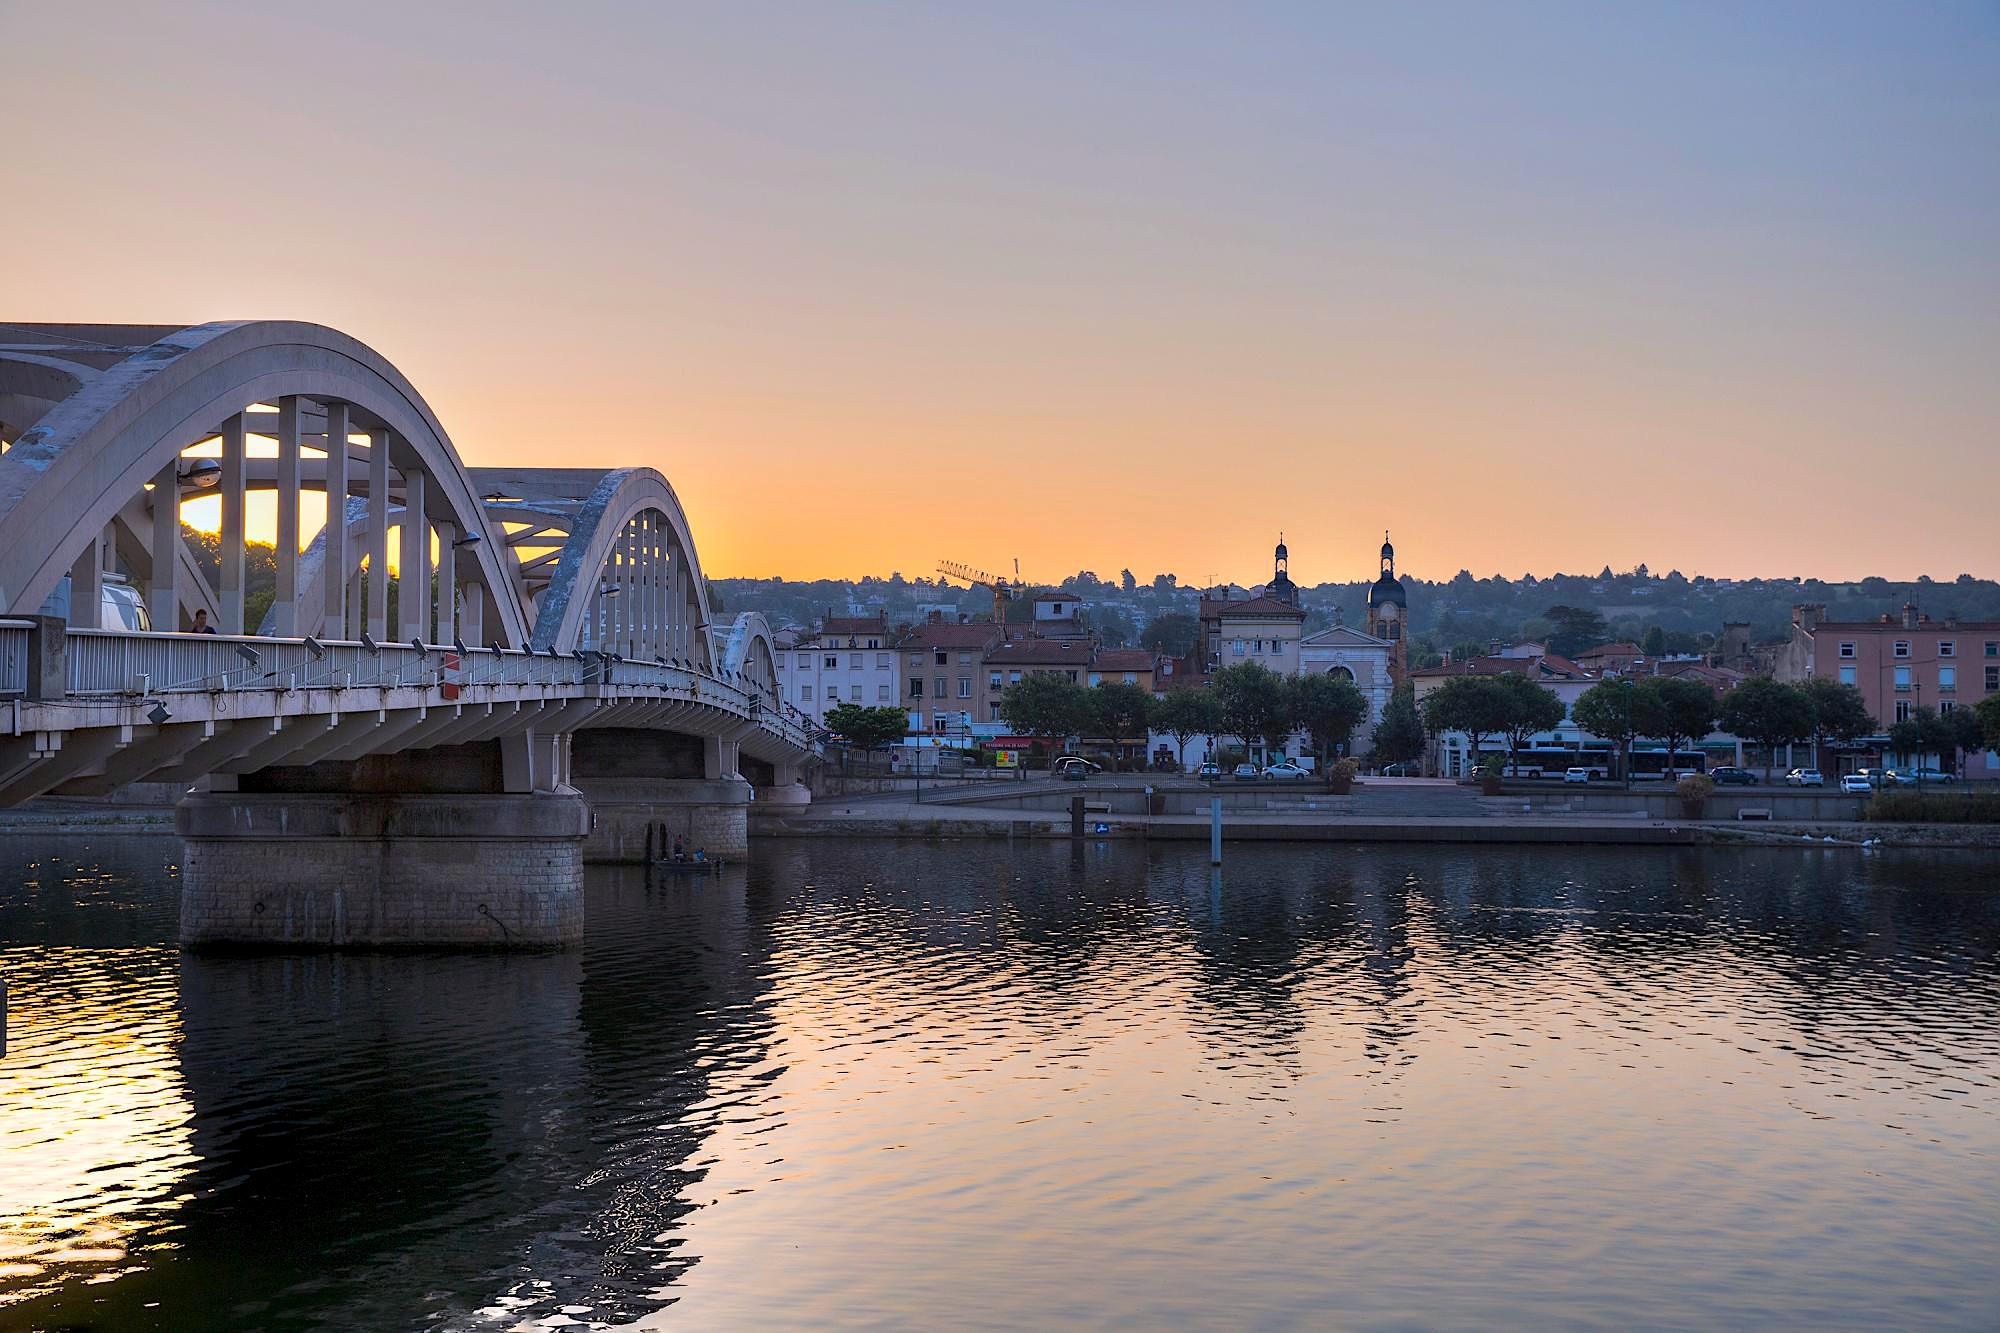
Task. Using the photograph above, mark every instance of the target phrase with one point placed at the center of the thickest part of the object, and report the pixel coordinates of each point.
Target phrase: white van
(119, 605)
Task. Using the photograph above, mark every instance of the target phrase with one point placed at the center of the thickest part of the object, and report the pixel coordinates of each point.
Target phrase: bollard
(1076, 816)
(1215, 830)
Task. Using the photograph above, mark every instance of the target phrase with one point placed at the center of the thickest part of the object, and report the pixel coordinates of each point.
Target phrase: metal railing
(138, 665)
(16, 641)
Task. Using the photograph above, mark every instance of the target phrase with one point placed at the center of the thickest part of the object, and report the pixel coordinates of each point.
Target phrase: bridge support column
(352, 870)
(648, 788)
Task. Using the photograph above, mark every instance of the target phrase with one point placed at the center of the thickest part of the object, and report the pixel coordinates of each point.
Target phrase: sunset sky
(1538, 287)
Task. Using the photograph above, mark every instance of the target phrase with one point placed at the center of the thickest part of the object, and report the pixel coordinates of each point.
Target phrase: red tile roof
(1258, 608)
(1040, 652)
(844, 626)
(949, 634)
(1125, 659)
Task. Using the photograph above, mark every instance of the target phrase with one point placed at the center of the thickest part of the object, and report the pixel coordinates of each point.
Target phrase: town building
(842, 659)
(1450, 752)
(1007, 663)
(939, 665)
(1060, 615)
(1346, 653)
(1389, 613)
(1899, 663)
(1132, 666)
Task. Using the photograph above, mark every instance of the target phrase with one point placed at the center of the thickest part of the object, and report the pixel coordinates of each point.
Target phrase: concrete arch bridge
(410, 717)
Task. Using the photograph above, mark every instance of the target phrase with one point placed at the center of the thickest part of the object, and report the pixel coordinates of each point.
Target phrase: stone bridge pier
(646, 788)
(452, 846)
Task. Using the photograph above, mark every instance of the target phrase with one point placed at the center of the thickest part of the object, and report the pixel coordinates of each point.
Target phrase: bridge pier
(646, 788)
(418, 850)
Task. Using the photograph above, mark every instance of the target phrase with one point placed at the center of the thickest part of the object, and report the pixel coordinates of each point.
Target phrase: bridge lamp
(469, 539)
(158, 715)
(369, 643)
(315, 647)
(458, 645)
(248, 654)
(417, 644)
(201, 474)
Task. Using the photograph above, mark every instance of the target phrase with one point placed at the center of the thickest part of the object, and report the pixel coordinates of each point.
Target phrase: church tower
(1281, 588)
(1389, 613)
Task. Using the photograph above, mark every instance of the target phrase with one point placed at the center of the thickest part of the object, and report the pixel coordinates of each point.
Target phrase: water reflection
(991, 1085)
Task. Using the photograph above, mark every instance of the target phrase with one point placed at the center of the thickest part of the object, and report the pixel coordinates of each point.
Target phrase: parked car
(1208, 772)
(1072, 772)
(1874, 777)
(1898, 777)
(1932, 776)
(1805, 777)
(1576, 775)
(1246, 773)
(1857, 784)
(1286, 771)
(1400, 770)
(1728, 775)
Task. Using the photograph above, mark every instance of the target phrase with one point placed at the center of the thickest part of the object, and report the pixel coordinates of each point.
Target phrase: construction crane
(1003, 591)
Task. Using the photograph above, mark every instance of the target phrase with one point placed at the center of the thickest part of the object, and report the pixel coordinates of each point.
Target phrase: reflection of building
(1389, 613)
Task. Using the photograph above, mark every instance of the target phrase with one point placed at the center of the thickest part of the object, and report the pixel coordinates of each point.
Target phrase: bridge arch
(608, 562)
(749, 654)
(103, 453)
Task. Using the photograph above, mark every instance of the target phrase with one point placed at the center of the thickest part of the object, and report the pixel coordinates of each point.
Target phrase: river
(982, 1084)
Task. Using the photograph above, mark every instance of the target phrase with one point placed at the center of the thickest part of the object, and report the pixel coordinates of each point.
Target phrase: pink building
(1899, 663)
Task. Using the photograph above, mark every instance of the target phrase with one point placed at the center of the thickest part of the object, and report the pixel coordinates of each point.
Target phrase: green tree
(1839, 713)
(1328, 710)
(1769, 713)
(1654, 642)
(1173, 633)
(1046, 705)
(1530, 709)
(1256, 705)
(1479, 706)
(1959, 734)
(1187, 713)
(1609, 710)
(1987, 710)
(1576, 628)
(1400, 735)
(1673, 712)
(1114, 627)
(1122, 710)
(865, 728)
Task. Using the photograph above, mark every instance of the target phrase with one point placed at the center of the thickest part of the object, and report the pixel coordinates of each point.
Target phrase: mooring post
(1215, 830)
(1076, 817)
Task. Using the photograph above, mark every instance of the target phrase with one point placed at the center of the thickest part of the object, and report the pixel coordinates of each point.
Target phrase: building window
(1993, 678)
(1947, 647)
(943, 657)
(881, 661)
(832, 662)
(1946, 705)
(916, 687)
(1993, 647)
(1131, 678)
(876, 643)
(805, 691)
(882, 693)
(833, 694)
(992, 680)
(1013, 678)
(854, 661)
(1847, 675)
(1902, 647)
(1902, 678)
(965, 659)
(1847, 648)
(941, 687)
(1947, 677)
(1902, 710)
(965, 687)
(1238, 646)
(993, 712)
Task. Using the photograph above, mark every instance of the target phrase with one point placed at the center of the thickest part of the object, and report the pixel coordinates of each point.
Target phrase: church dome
(1388, 591)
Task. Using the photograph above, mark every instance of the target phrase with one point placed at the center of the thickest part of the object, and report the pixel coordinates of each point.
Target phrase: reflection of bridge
(420, 738)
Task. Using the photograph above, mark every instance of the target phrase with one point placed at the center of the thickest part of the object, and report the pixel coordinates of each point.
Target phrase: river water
(992, 1085)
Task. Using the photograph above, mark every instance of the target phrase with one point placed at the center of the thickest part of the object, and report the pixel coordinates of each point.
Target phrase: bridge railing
(16, 642)
(119, 663)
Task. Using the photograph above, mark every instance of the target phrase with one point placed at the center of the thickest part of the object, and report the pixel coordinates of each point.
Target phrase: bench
(1097, 807)
(1762, 812)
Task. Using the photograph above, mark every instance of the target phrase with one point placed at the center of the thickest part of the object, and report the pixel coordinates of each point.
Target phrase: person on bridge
(201, 625)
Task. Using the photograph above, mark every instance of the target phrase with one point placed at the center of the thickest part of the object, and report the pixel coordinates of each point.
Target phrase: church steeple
(1281, 587)
(1388, 555)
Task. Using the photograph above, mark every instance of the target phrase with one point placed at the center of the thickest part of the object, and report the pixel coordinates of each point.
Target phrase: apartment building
(842, 659)
(940, 666)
